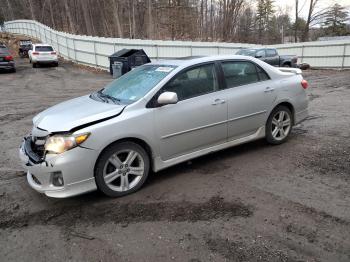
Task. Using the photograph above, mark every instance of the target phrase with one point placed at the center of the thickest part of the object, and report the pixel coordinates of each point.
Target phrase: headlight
(60, 143)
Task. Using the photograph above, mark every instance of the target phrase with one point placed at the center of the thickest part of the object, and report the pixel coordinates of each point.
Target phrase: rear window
(43, 48)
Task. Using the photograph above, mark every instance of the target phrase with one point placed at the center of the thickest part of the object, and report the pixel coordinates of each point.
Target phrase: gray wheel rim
(123, 170)
(281, 125)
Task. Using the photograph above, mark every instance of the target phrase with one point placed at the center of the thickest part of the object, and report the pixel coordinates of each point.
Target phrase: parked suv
(42, 54)
(156, 116)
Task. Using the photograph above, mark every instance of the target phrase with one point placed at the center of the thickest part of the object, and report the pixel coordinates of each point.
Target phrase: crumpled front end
(57, 175)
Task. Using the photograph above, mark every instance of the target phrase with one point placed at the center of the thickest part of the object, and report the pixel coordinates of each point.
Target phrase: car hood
(75, 113)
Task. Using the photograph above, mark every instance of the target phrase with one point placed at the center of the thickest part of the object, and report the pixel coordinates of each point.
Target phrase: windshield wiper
(105, 97)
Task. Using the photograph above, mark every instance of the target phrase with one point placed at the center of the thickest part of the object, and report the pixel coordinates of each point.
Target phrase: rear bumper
(76, 167)
(7, 65)
(47, 60)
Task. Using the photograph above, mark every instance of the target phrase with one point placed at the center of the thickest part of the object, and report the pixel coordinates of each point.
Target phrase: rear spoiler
(296, 71)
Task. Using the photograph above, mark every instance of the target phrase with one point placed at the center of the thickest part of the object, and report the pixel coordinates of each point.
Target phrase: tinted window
(193, 82)
(43, 48)
(271, 52)
(260, 53)
(262, 74)
(247, 52)
(239, 73)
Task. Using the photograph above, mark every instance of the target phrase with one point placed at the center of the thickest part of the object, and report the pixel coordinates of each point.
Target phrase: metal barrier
(94, 51)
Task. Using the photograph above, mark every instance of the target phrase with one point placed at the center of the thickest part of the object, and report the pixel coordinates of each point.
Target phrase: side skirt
(159, 164)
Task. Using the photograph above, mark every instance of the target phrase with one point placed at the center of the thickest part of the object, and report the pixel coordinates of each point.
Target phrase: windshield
(136, 83)
(247, 52)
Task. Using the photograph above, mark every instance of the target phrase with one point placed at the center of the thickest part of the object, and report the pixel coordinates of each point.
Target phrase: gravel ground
(254, 202)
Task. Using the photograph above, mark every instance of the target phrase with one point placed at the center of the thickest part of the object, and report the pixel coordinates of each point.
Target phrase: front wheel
(122, 169)
(279, 125)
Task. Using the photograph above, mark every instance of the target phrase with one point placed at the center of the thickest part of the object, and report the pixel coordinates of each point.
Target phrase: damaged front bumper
(75, 167)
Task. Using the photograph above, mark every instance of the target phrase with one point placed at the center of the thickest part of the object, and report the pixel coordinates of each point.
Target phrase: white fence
(95, 50)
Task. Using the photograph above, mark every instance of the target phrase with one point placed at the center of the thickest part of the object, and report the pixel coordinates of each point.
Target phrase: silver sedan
(156, 116)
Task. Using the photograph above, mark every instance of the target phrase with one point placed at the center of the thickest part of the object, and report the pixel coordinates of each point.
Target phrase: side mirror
(167, 98)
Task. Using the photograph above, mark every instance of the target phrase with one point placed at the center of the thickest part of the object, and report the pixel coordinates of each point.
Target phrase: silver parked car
(156, 116)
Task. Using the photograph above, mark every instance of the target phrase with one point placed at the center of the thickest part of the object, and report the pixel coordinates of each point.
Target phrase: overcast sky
(304, 5)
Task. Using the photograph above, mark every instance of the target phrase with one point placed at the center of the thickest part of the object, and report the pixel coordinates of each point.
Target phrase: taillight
(304, 84)
(53, 53)
(8, 58)
(35, 53)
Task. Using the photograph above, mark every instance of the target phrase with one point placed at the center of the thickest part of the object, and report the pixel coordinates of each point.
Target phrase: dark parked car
(6, 59)
(270, 56)
(24, 47)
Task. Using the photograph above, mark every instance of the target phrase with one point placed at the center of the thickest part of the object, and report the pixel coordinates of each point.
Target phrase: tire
(114, 162)
(279, 125)
(55, 64)
(286, 65)
(13, 70)
(34, 65)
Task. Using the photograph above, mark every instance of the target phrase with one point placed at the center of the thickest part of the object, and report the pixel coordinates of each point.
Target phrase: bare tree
(296, 20)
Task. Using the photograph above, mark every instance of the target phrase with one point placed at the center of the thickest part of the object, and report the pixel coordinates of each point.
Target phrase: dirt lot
(254, 202)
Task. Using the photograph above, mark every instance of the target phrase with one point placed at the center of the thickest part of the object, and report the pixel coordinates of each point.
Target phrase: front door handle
(268, 89)
(218, 101)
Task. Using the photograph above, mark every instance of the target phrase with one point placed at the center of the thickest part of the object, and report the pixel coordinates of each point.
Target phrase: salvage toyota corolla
(156, 116)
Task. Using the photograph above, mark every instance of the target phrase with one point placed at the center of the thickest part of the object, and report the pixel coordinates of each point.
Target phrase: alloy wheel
(281, 125)
(123, 170)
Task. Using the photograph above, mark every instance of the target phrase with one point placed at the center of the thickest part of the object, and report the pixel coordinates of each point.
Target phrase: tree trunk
(51, 14)
(296, 21)
(116, 18)
(150, 20)
(87, 21)
(69, 16)
(32, 14)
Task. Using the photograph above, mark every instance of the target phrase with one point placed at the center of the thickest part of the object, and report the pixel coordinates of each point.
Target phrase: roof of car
(184, 63)
(187, 61)
(42, 45)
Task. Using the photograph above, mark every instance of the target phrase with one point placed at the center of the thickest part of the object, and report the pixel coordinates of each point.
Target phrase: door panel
(190, 125)
(272, 57)
(198, 120)
(249, 99)
(248, 107)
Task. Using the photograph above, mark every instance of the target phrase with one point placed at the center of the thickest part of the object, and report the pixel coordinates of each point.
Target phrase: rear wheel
(34, 65)
(122, 169)
(279, 125)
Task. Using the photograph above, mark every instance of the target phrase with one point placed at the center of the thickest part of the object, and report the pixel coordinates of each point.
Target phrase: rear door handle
(218, 101)
(268, 89)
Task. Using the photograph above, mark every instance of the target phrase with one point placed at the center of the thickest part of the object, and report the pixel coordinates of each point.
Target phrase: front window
(247, 52)
(137, 83)
(271, 52)
(193, 82)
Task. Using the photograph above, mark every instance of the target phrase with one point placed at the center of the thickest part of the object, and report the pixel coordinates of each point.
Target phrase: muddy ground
(254, 202)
